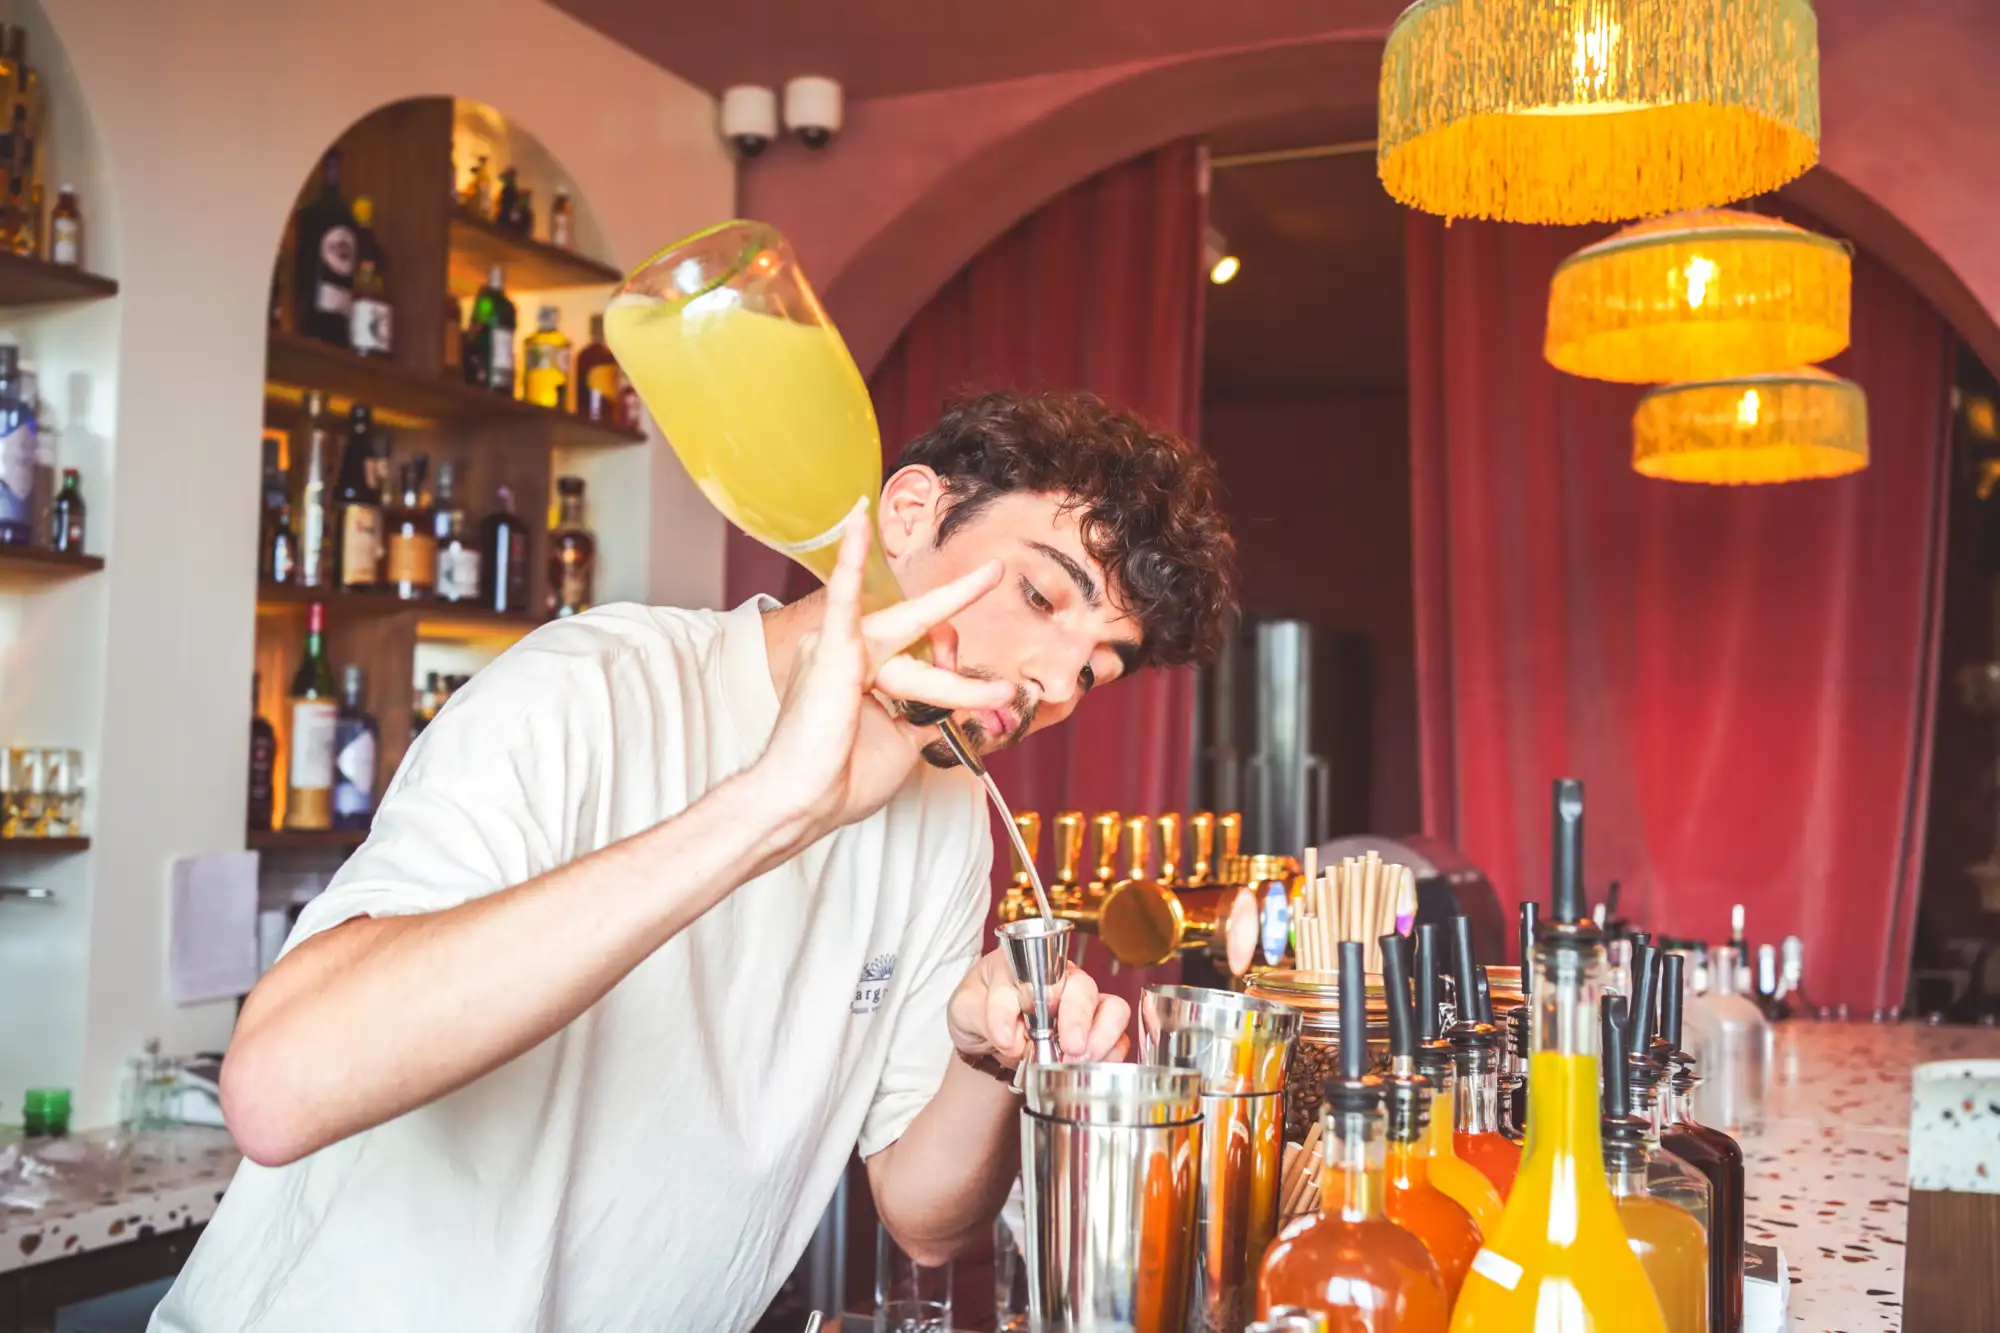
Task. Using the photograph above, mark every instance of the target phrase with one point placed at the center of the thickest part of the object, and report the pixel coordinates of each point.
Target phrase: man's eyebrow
(1078, 575)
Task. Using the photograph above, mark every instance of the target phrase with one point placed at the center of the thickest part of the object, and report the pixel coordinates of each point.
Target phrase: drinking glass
(27, 792)
(1010, 1268)
(64, 769)
(909, 1298)
(10, 782)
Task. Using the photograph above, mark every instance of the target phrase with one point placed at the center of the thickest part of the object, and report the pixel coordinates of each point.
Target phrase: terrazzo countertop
(175, 1182)
(1828, 1178)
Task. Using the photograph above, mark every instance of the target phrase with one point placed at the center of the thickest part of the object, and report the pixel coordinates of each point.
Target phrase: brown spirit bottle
(597, 387)
(413, 537)
(1709, 1151)
(357, 509)
(504, 556)
(572, 553)
(1350, 1262)
(315, 713)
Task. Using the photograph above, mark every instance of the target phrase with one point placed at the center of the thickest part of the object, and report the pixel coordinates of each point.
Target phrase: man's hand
(986, 1016)
(836, 754)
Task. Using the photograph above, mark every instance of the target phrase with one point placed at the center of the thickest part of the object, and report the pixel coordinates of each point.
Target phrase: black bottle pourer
(1624, 1133)
(1531, 916)
(1566, 904)
(1396, 986)
(1433, 1052)
(1474, 1001)
(1351, 1089)
(1638, 1063)
(1667, 1032)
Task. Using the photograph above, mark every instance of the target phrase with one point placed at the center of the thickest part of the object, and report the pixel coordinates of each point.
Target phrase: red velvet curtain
(1100, 290)
(1742, 676)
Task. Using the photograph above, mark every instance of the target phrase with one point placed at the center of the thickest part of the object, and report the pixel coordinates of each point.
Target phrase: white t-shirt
(660, 1163)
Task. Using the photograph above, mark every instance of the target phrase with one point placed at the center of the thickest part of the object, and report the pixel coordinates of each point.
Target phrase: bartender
(665, 915)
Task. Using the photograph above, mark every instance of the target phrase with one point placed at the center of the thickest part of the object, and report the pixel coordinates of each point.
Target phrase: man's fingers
(1005, 1027)
(895, 628)
(920, 682)
(1108, 1029)
(843, 589)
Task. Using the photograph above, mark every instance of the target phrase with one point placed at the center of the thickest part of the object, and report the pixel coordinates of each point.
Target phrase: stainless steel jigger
(1037, 954)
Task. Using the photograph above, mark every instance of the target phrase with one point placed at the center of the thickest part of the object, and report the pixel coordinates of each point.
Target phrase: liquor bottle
(413, 537)
(430, 698)
(1559, 1258)
(278, 562)
(474, 197)
(1349, 1261)
(66, 230)
(323, 260)
(1791, 979)
(545, 362)
(357, 508)
(1459, 1180)
(523, 218)
(67, 529)
(1476, 1047)
(1668, 1176)
(27, 240)
(1669, 1244)
(263, 762)
(355, 743)
(371, 327)
(507, 204)
(489, 336)
(312, 473)
(1731, 1043)
(1514, 1073)
(1412, 1201)
(1769, 994)
(597, 380)
(562, 221)
(572, 553)
(17, 455)
(503, 552)
(309, 774)
(457, 556)
(1709, 1151)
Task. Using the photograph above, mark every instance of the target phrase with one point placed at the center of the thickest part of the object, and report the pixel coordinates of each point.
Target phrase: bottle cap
(496, 277)
(569, 485)
(546, 317)
(364, 210)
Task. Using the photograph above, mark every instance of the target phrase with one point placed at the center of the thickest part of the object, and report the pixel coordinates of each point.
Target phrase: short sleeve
(498, 789)
(920, 1049)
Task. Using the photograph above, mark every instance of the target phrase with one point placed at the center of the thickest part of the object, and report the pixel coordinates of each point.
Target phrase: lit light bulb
(1746, 408)
(1700, 272)
(1225, 269)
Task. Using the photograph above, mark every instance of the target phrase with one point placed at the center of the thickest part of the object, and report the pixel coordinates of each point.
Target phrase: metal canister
(1240, 1047)
(1108, 1162)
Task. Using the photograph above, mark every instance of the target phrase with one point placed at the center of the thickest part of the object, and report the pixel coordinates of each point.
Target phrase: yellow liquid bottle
(1670, 1244)
(1457, 1179)
(727, 345)
(1560, 1259)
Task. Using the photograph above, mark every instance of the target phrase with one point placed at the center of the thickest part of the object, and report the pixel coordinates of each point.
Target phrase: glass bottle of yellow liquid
(1668, 1175)
(1459, 1180)
(1412, 1201)
(1560, 1259)
(1349, 1262)
(1670, 1245)
(545, 362)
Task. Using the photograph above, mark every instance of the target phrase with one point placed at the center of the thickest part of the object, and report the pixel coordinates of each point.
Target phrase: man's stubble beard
(938, 754)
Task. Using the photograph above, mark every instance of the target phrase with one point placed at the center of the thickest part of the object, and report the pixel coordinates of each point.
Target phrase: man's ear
(912, 506)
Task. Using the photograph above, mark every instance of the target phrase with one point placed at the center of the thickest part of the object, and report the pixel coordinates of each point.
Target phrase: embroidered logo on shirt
(874, 982)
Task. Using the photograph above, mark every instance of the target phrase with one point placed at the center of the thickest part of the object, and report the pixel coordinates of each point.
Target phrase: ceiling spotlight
(1222, 265)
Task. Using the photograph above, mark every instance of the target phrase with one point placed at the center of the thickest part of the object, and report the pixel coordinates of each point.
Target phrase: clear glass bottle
(1709, 1151)
(1670, 1245)
(1349, 1261)
(1731, 1042)
(1462, 1182)
(1477, 1047)
(1668, 1175)
(458, 555)
(1559, 1259)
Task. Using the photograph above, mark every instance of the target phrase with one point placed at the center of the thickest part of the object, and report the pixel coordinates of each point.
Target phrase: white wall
(209, 113)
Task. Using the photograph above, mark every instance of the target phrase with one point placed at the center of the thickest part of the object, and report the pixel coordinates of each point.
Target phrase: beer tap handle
(1170, 848)
(1202, 870)
(1138, 845)
(1030, 825)
(1069, 850)
(1106, 823)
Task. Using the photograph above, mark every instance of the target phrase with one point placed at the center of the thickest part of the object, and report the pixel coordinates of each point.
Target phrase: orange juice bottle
(1413, 1202)
(1560, 1258)
(1458, 1180)
(1476, 1046)
(1669, 1243)
(1350, 1263)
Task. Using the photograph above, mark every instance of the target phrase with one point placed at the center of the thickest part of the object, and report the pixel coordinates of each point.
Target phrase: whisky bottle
(572, 554)
(309, 770)
(324, 257)
(413, 537)
(312, 476)
(597, 380)
(357, 509)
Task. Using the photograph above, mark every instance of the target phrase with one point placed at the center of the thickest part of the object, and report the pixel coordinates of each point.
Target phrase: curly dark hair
(1151, 503)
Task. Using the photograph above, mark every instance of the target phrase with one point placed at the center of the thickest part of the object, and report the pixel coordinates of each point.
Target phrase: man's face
(1055, 628)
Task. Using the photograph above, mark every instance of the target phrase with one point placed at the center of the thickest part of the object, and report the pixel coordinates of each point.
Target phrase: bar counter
(1828, 1176)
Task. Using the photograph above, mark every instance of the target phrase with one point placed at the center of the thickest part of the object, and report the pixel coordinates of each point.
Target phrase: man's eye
(1087, 678)
(1035, 599)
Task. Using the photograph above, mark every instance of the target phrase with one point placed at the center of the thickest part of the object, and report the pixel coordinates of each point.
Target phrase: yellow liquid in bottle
(1457, 1179)
(1673, 1250)
(770, 417)
(1559, 1259)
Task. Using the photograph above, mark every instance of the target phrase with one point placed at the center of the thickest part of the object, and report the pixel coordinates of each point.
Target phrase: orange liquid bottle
(1350, 1263)
(1560, 1258)
(1412, 1201)
(1458, 1180)
(1668, 1242)
(1476, 1046)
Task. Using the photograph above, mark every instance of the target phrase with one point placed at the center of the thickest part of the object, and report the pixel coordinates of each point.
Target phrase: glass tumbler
(27, 791)
(64, 775)
(909, 1298)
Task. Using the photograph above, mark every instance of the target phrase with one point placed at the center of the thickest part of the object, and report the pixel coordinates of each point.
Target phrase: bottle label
(543, 357)
(337, 248)
(360, 545)
(572, 585)
(311, 766)
(1497, 1268)
(312, 536)
(559, 230)
(354, 767)
(17, 474)
(413, 559)
(458, 574)
(369, 326)
(600, 393)
(500, 354)
(65, 241)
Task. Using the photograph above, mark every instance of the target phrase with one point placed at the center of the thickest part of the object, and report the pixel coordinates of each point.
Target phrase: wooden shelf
(448, 615)
(29, 281)
(32, 563)
(43, 846)
(532, 265)
(300, 840)
(446, 621)
(297, 363)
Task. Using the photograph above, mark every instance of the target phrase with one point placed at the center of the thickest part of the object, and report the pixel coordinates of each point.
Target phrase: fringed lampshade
(1699, 296)
(1574, 111)
(1793, 426)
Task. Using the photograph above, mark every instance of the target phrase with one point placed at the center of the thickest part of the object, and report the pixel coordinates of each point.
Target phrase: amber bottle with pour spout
(1412, 1201)
(1669, 1244)
(1350, 1262)
(1476, 1046)
(1461, 1181)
